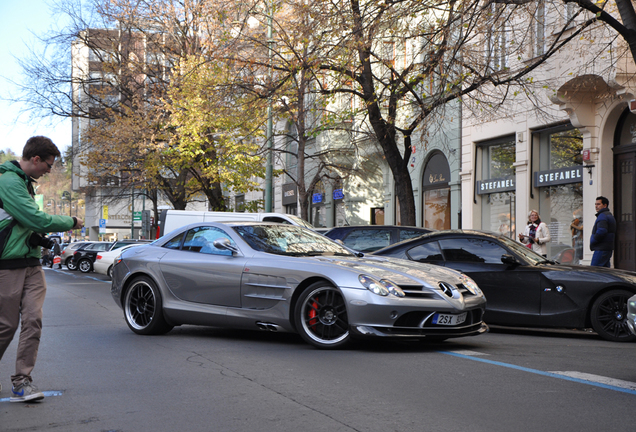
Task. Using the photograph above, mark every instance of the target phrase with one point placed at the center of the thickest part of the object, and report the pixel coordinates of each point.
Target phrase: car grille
(418, 291)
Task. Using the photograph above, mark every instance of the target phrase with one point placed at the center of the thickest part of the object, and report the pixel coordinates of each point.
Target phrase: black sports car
(523, 288)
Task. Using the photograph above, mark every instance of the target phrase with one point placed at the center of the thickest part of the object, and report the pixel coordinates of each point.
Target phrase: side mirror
(225, 244)
(509, 259)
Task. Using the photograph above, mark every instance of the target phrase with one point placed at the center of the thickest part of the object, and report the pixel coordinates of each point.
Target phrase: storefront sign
(437, 171)
(495, 185)
(289, 193)
(317, 198)
(558, 176)
(338, 194)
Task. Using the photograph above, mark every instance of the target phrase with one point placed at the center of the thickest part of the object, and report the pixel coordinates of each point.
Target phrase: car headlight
(470, 285)
(380, 287)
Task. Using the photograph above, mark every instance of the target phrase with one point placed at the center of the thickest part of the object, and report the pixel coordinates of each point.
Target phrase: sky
(19, 20)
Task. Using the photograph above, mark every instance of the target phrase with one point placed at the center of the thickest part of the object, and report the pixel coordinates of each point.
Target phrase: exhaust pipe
(267, 326)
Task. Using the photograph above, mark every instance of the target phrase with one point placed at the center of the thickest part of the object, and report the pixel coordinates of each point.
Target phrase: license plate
(443, 319)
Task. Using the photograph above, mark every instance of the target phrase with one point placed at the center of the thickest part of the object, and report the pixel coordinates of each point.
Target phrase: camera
(40, 240)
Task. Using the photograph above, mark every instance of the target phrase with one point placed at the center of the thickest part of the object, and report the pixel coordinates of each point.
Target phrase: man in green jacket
(22, 283)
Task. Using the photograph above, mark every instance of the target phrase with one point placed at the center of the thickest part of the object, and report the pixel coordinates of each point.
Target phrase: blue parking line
(539, 372)
(46, 394)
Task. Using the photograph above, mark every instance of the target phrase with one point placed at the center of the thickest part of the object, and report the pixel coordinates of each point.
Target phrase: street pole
(132, 213)
(270, 121)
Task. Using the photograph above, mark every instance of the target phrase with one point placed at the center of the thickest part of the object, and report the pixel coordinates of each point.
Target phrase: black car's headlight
(471, 285)
(381, 287)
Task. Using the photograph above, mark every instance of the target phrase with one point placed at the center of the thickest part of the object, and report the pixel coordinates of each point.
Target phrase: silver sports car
(278, 277)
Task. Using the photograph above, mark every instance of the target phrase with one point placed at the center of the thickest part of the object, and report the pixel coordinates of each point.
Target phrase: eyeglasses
(47, 164)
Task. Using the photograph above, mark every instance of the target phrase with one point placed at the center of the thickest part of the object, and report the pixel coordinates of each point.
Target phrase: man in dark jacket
(22, 283)
(603, 234)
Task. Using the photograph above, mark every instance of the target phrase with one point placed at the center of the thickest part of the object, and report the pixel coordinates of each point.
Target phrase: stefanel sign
(558, 176)
(495, 185)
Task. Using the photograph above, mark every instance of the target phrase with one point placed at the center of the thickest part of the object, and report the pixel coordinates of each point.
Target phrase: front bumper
(370, 315)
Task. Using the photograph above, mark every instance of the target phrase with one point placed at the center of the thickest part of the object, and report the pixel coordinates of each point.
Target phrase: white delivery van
(173, 219)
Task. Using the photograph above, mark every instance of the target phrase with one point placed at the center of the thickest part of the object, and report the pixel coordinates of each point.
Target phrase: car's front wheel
(85, 265)
(321, 316)
(609, 316)
(143, 308)
(70, 264)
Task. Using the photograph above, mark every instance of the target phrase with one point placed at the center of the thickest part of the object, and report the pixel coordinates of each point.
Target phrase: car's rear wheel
(321, 316)
(609, 316)
(85, 265)
(109, 272)
(70, 264)
(143, 308)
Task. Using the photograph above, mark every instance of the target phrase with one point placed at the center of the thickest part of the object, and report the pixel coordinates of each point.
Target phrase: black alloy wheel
(143, 308)
(70, 264)
(609, 316)
(321, 317)
(85, 265)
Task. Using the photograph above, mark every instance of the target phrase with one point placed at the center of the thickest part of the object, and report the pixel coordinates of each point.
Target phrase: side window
(202, 240)
(368, 240)
(472, 250)
(426, 252)
(406, 234)
(175, 242)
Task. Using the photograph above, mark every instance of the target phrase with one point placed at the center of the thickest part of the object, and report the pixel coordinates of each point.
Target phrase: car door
(196, 271)
(513, 292)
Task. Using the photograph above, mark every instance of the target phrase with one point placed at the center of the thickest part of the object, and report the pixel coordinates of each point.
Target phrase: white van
(173, 219)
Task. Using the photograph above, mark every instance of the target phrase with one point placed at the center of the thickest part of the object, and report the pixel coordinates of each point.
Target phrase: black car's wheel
(321, 316)
(109, 272)
(85, 265)
(70, 264)
(609, 316)
(143, 308)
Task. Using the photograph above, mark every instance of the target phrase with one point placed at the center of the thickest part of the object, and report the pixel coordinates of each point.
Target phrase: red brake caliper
(312, 314)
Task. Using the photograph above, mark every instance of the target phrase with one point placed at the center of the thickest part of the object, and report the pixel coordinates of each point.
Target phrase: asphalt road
(99, 376)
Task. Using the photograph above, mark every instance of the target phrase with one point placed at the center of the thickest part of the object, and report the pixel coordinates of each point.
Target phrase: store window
(560, 184)
(497, 187)
(436, 212)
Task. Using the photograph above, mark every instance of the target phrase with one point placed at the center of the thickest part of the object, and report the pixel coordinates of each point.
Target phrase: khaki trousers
(22, 293)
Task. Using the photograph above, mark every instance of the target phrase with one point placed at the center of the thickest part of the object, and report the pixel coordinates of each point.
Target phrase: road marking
(46, 394)
(469, 353)
(606, 383)
(598, 379)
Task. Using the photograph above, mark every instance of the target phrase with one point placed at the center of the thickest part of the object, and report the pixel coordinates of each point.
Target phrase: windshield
(526, 253)
(289, 240)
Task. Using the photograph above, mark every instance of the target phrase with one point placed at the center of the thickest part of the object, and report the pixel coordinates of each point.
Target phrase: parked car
(275, 277)
(84, 257)
(173, 219)
(631, 314)
(104, 260)
(369, 238)
(67, 253)
(525, 289)
(121, 243)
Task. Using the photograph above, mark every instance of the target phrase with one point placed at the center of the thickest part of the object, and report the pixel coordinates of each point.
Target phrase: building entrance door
(624, 182)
